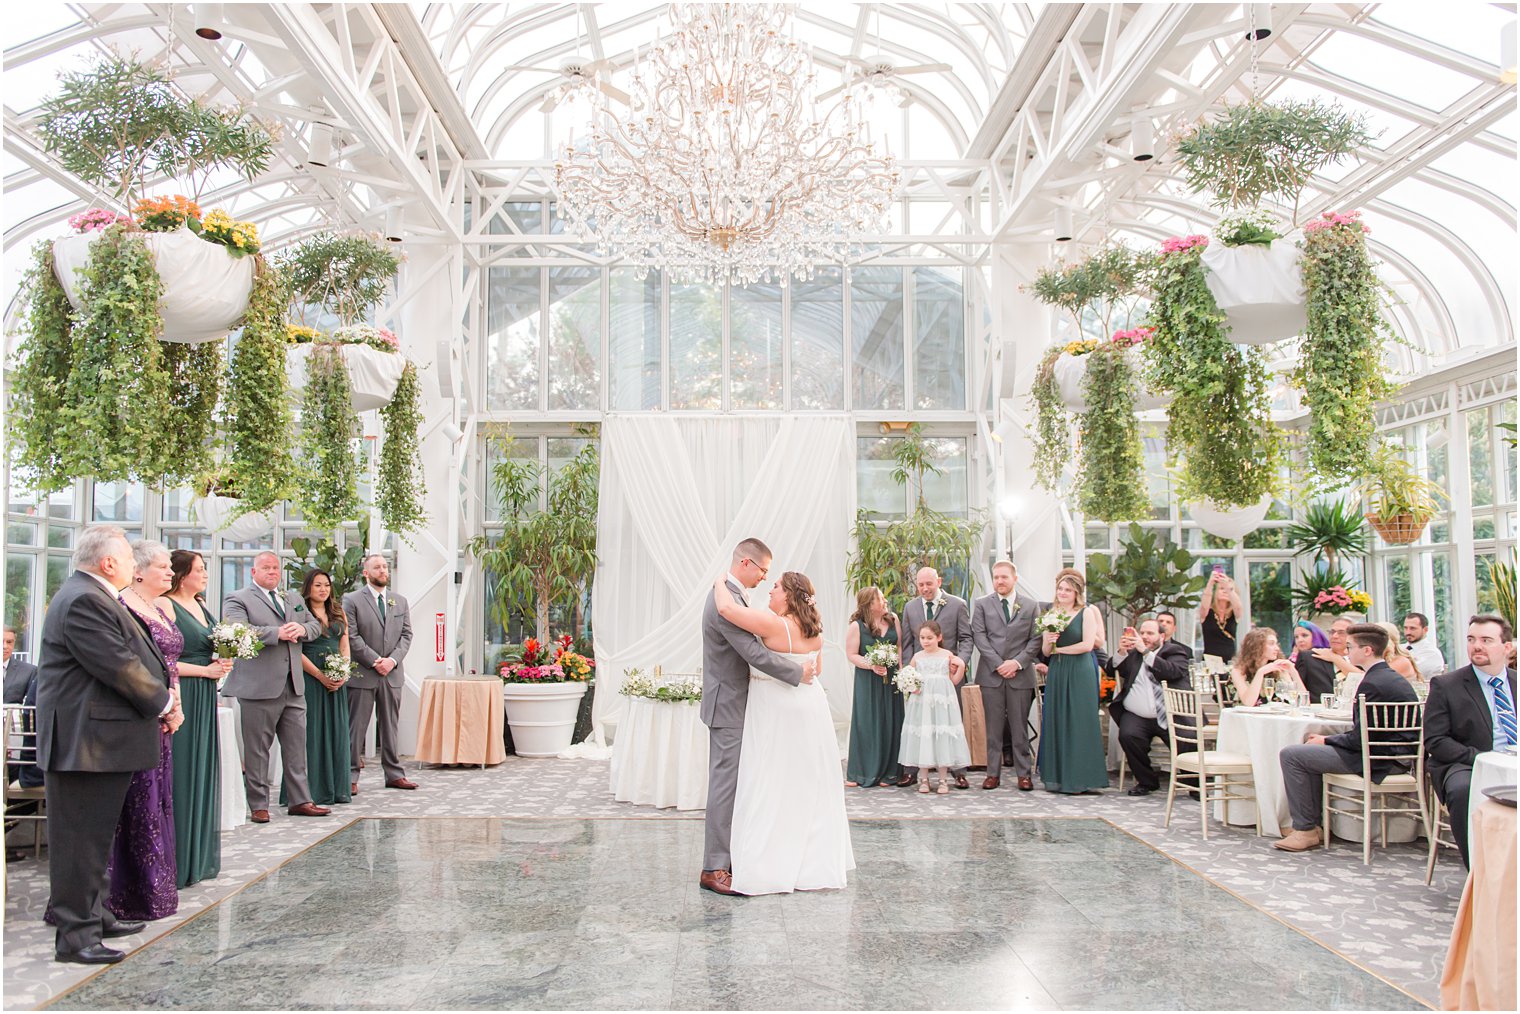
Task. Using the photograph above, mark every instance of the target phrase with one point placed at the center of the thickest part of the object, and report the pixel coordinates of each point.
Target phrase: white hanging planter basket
(542, 716)
(1230, 522)
(206, 288)
(372, 374)
(1070, 374)
(1259, 289)
(218, 515)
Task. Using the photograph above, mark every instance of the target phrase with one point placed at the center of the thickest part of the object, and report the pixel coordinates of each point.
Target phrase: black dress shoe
(1139, 790)
(95, 954)
(123, 929)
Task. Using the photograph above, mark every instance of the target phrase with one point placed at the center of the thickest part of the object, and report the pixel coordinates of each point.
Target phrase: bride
(789, 831)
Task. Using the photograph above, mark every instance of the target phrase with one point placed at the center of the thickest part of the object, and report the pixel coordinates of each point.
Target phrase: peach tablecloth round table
(1480, 965)
(461, 720)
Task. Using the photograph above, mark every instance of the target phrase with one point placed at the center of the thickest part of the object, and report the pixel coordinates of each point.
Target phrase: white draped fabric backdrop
(677, 494)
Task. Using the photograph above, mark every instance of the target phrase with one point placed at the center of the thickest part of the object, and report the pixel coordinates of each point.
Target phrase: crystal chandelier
(723, 168)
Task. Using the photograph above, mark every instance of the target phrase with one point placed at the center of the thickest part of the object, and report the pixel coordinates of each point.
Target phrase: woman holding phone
(1218, 613)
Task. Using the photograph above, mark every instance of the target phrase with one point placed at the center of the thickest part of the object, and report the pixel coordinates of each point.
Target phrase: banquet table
(1490, 769)
(1261, 734)
(461, 720)
(659, 757)
(234, 800)
(1480, 963)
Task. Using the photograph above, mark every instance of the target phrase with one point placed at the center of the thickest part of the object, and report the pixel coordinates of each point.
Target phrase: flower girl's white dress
(932, 735)
(790, 832)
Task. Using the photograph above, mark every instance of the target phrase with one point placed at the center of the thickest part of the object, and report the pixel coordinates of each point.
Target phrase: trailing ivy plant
(398, 484)
(329, 489)
(1219, 419)
(195, 386)
(117, 421)
(343, 274)
(1053, 446)
(1259, 150)
(1340, 367)
(39, 380)
(1111, 482)
(259, 426)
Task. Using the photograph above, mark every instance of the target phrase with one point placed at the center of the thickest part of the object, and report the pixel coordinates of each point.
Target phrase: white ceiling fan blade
(922, 68)
(831, 93)
(615, 93)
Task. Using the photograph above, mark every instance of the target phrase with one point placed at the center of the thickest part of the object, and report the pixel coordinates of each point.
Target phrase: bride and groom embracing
(775, 808)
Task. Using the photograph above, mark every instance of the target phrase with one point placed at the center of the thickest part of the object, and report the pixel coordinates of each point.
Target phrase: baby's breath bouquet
(338, 669)
(908, 680)
(235, 640)
(884, 654)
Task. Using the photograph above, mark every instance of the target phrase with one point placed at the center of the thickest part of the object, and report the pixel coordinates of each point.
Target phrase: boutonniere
(1016, 607)
(390, 603)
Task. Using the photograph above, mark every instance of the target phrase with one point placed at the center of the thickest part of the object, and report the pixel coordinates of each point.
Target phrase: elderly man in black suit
(1145, 662)
(1469, 711)
(103, 693)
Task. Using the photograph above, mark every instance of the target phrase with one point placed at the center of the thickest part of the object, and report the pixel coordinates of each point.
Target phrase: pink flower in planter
(97, 220)
(1134, 336)
(1178, 244)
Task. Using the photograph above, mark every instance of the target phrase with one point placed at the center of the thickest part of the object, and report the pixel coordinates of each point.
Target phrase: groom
(728, 653)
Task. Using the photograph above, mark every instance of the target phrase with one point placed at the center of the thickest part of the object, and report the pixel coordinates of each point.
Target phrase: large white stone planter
(542, 716)
(1230, 522)
(372, 374)
(218, 515)
(206, 288)
(1070, 374)
(1259, 289)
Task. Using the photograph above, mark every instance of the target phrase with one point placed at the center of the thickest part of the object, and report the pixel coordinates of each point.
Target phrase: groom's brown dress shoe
(260, 816)
(401, 783)
(308, 810)
(717, 881)
(905, 781)
(990, 782)
(961, 783)
(1026, 784)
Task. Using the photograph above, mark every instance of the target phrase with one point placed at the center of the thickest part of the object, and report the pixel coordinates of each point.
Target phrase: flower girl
(932, 735)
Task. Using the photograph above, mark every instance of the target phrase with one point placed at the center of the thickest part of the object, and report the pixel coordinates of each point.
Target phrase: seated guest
(1316, 674)
(1469, 711)
(1422, 645)
(28, 774)
(1260, 657)
(1336, 655)
(17, 671)
(1399, 659)
(1168, 621)
(1304, 764)
(1145, 661)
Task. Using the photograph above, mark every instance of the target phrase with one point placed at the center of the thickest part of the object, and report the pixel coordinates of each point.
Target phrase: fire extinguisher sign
(438, 636)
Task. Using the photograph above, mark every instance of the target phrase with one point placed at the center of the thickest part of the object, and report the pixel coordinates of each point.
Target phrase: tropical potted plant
(1147, 574)
(1400, 500)
(542, 686)
(1328, 530)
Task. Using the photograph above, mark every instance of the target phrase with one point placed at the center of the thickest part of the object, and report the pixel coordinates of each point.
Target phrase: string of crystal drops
(722, 167)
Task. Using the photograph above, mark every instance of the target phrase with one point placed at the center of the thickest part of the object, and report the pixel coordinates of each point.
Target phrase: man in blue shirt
(1470, 710)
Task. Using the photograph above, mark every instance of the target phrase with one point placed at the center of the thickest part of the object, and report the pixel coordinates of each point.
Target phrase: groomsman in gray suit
(379, 636)
(1004, 627)
(950, 612)
(270, 689)
(728, 652)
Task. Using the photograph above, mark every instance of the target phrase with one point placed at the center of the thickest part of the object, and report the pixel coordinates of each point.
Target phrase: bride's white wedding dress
(790, 832)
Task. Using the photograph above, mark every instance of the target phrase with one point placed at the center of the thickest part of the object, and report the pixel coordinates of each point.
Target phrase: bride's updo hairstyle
(801, 603)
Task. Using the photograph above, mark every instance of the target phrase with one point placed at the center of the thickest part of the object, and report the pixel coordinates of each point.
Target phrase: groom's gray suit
(1007, 700)
(271, 692)
(728, 653)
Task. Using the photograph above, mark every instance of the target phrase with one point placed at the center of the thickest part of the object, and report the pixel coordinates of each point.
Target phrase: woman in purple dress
(142, 856)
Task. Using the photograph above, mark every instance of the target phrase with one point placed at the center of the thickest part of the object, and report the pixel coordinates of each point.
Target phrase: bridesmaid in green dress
(197, 746)
(876, 716)
(1071, 743)
(327, 742)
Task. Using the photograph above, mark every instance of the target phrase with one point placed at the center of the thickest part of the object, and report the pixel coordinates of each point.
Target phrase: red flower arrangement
(547, 663)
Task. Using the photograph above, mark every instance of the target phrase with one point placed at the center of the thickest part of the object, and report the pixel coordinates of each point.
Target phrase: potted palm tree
(1328, 530)
(1401, 501)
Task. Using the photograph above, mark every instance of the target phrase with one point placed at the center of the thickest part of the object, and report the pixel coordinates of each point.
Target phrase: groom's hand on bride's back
(810, 669)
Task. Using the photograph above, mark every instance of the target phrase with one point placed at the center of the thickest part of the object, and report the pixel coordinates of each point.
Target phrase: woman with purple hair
(1317, 674)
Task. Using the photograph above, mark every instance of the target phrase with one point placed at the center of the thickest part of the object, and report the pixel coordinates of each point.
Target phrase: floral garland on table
(1340, 367)
(1341, 599)
(536, 664)
(637, 683)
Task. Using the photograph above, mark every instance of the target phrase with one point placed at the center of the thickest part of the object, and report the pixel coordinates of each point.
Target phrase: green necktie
(380, 602)
(929, 611)
(1007, 616)
(276, 603)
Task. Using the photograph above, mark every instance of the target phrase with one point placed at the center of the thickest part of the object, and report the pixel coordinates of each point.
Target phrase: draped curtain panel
(677, 494)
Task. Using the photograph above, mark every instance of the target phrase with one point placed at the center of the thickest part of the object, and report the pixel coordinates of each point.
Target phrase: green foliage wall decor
(43, 360)
(259, 425)
(398, 484)
(329, 489)
(346, 275)
(1111, 482)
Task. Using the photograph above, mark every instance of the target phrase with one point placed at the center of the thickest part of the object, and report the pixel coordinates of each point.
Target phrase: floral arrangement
(1340, 599)
(1248, 228)
(300, 334)
(98, 220)
(884, 654)
(552, 662)
(240, 238)
(338, 669)
(1054, 621)
(908, 680)
(637, 683)
(1182, 244)
(235, 640)
(1106, 686)
(367, 334)
(166, 214)
(577, 667)
(1079, 346)
(1133, 337)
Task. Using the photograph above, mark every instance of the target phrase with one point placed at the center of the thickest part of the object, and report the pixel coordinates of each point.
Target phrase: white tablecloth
(1489, 770)
(660, 755)
(1261, 735)
(234, 801)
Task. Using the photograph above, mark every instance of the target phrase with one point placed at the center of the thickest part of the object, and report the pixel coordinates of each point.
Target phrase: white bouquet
(908, 680)
(1054, 622)
(338, 669)
(235, 640)
(884, 654)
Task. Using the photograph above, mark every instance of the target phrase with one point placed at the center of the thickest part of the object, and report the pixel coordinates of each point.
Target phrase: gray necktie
(1157, 694)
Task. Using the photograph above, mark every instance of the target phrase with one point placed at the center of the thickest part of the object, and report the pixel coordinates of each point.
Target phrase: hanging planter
(1230, 522)
(1070, 373)
(1254, 274)
(225, 516)
(372, 374)
(1402, 501)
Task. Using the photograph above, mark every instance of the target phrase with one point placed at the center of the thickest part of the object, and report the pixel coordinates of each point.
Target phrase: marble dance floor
(576, 913)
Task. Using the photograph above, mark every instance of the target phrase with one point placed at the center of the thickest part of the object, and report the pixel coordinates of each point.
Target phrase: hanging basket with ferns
(1400, 529)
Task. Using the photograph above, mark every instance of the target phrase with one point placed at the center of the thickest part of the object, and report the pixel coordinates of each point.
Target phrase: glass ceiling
(1438, 185)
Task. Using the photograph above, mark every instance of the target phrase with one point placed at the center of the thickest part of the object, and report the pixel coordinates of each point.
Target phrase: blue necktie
(1505, 707)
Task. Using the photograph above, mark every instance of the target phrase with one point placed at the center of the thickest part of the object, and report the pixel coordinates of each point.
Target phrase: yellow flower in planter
(239, 237)
(300, 334)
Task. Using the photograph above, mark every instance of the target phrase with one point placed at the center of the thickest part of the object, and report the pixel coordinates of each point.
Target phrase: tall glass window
(939, 339)
(755, 340)
(876, 337)
(633, 314)
(696, 347)
(818, 341)
(512, 337)
(575, 338)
